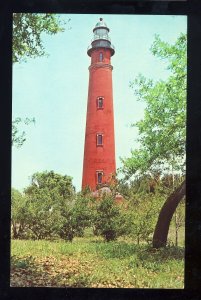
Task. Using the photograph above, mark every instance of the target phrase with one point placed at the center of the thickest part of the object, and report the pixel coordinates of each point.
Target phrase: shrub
(109, 219)
(74, 218)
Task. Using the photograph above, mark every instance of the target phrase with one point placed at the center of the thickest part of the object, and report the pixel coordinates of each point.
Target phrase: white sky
(54, 90)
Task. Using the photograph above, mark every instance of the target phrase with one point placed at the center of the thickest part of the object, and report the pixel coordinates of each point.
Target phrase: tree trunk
(176, 230)
(165, 216)
(14, 229)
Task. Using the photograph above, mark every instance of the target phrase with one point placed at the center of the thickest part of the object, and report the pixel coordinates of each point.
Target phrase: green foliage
(143, 198)
(74, 218)
(28, 29)
(178, 221)
(90, 263)
(162, 131)
(42, 216)
(18, 138)
(109, 219)
(18, 214)
(48, 182)
(27, 33)
(23, 263)
(39, 208)
(142, 216)
(52, 209)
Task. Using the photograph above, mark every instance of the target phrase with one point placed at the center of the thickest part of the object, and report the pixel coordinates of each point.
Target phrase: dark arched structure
(165, 216)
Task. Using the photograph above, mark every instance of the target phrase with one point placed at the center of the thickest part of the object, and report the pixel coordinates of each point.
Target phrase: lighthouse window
(99, 139)
(100, 102)
(100, 56)
(99, 177)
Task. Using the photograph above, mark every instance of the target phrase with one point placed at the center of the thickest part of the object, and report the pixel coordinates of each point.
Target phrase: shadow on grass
(23, 271)
(27, 272)
(22, 263)
(123, 250)
(115, 249)
(69, 271)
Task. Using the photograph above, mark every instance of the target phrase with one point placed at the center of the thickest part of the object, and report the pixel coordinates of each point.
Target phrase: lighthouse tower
(99, 152)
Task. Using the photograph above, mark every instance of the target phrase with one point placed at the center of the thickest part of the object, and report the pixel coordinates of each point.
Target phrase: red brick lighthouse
(99, 152)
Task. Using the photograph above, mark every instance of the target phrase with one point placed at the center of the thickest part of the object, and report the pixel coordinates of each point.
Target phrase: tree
(18, 138)
(142, 214)
(45, 196)
(28, 29)
(75, 216)
(109, 221)
(169, 181)
(51, 182)
(162, 131)
(27, 33)
(165, 216)
(18, 214)
(179, 220)
(53, 208)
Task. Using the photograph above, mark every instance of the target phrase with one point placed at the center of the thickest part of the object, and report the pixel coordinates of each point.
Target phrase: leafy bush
(109, 220)
(35, 214)
(74, 218)
(18, 214)
(142, 217)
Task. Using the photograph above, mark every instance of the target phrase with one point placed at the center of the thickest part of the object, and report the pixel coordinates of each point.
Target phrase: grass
(90, 262)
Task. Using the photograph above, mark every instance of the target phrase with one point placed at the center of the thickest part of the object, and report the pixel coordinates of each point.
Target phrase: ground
(91, 262)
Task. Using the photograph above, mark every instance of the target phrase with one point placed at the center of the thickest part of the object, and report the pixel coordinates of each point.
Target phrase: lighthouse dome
(101, 30)
(101, 37)
(101, 23)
